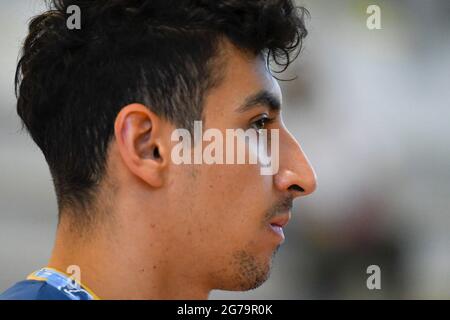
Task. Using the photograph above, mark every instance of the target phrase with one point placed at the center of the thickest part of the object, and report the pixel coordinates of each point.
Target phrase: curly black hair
(71, 84)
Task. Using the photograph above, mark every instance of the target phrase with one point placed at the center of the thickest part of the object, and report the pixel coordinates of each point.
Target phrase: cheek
(220, 207)
(232, 201)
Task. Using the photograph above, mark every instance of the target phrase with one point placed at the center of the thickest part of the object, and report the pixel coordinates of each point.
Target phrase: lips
(277, 224)
(280, 220)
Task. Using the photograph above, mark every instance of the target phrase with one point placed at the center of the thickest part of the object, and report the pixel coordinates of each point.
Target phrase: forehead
(244, 75)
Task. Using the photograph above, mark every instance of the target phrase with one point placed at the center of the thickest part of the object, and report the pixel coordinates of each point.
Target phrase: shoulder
(32, 290)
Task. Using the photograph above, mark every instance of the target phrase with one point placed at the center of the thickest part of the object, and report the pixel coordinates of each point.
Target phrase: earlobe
(138, 136)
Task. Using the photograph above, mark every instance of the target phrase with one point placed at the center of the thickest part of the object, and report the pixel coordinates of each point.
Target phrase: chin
(250, 272)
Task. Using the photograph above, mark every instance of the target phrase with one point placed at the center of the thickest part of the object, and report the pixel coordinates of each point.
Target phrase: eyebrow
(262, 97)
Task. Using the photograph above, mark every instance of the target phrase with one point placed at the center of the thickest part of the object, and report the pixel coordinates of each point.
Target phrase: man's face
(226, 213)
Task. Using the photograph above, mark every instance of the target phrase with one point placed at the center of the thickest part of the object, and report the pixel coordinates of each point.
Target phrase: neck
(125, 267)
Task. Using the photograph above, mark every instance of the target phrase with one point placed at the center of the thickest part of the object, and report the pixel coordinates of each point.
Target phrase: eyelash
(263, 121)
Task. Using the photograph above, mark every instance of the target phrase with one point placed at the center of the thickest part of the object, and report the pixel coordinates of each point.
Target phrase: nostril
(296, 187)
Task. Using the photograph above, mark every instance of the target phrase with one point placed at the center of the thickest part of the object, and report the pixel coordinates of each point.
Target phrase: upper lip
(281, 220)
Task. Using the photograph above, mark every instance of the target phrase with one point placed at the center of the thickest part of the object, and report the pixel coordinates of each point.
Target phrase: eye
(261, 123)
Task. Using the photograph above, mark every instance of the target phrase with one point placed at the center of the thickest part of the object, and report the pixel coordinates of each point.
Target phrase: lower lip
(277, 230)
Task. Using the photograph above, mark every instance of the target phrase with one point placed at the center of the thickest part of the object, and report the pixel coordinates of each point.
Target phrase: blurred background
(371, 109)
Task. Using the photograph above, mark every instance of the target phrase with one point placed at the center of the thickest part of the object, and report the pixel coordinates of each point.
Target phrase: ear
(139, 135)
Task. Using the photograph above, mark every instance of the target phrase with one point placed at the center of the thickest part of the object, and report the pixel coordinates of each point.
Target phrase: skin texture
(166, 231)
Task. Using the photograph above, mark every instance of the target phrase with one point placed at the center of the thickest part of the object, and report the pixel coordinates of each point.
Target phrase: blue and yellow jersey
(48, 284)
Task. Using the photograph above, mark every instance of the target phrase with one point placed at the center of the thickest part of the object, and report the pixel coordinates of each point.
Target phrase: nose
(295, 175)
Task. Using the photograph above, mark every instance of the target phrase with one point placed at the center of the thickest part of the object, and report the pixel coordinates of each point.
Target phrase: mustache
(280, 207)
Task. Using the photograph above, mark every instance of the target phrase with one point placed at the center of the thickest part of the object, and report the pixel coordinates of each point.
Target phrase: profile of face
(216, 224)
